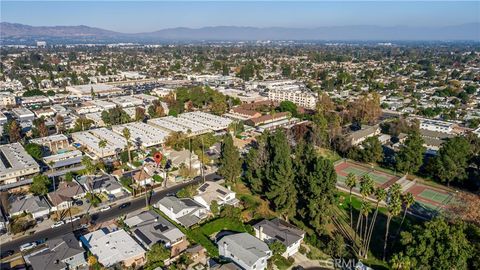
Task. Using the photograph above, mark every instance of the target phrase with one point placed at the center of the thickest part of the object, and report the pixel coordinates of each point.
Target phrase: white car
(68, 220)
(28, 246)
(105, 208)
(58, 224)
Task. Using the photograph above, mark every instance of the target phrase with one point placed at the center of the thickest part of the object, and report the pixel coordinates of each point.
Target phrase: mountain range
(471, 31)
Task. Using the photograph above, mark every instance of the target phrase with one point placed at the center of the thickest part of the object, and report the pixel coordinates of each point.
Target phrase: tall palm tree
(102, 144)
(380, 195)
(408, 200)
(126, 135)
(351, 182)
(365, 210)
(366, 189)
(394, 207)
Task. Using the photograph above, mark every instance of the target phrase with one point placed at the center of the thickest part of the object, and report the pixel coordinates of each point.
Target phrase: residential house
(199, 256)
(278, 230)
(245, 250)
(114, 247)
(151, 228)
(185, 211)
(183, 157)
(63, 252)
(37, 206)
(357, 137)
(212, 191)
(102, 184)
(66, 193)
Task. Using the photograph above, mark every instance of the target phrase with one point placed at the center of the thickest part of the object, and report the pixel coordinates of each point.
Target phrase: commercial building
(112, 247)
(126, 101)
(142, 134)
(90, 140)
(54, 143)
(87, 90)
(437, 125)
(15, 163)
(23, 114)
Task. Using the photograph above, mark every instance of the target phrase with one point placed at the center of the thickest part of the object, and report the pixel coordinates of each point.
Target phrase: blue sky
(130, 17)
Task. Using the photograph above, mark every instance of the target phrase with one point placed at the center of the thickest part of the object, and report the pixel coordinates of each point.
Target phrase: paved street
(97, 217)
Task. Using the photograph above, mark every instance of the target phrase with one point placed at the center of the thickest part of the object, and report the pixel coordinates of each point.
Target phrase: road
(98, 217)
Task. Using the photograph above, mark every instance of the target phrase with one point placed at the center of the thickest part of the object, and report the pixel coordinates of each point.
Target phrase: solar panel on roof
(160, 227)
(221, 192)
(281, 239)
(142, 236)
(204, 187)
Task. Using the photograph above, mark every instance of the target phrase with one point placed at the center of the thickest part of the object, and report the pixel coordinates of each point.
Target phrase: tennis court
(434, 198)
(381, 179)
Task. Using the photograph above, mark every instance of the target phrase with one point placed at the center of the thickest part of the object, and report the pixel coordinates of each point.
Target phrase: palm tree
(351, 182)
(102, 144)
(408, 200)
(394, 207)
(380, 195)
(366, 189)
(126, 135)
(365, 211)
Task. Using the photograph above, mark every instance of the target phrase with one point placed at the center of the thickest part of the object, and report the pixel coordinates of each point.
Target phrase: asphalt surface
(98, 217)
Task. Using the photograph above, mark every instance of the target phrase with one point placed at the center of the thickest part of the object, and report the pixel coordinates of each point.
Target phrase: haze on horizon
(136, 17)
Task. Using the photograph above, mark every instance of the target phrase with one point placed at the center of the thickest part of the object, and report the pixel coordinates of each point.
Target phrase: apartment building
(301, 98)
(90, 140)
(23, 114)
(174, 124)
(213, 122)
(15, 163)
(142, 134)
(54, 142)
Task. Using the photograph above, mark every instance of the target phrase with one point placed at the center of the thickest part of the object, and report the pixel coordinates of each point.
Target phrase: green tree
(126, 135)
(452, 160)
(351, 182)
(408, 200)
(255, 165)
(367, 187)
(288, 106)
(394, 207)
(410, 157)
(157, 254)
(14, 131)
(281, 190)
(69, 177)
(380, 195)
(230, 163)
(90, 167)
(214, 208)
(34, 150)
(372, 150)
(40, 185)
(437, 244)
(277, 248)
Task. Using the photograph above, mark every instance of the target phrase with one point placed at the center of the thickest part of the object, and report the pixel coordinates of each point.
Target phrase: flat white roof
(15, 158)
(211, 121)
(144, 134)
(112, 247)
(21, 111)
(91, 138)
(173, 124)
(50, 139)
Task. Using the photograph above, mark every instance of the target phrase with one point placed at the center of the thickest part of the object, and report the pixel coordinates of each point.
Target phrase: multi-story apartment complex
(15, 163)
(301, 98)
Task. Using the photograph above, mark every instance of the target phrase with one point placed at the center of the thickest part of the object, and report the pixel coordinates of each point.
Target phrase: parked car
(124, 205)
(79, 203)
(68, 220)
(28, 246)
(105, 208)
(58, 224)
(6, 253)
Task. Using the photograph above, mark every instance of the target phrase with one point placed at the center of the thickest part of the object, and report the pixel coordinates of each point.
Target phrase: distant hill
(22, 31)
(458, 32)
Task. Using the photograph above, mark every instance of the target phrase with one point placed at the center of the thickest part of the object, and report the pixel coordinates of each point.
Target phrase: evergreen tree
(452, 160)
(281, 189)
(230, 163)
(410, 157)
(255, 164)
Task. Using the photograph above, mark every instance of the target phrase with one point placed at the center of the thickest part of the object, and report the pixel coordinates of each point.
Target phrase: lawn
(329, 154)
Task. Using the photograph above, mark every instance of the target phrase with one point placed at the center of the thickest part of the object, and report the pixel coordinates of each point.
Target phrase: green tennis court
(379, 178)
(434, 196)
(354, 170)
